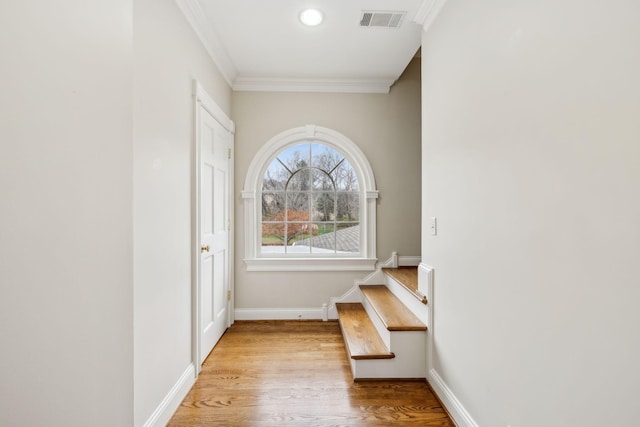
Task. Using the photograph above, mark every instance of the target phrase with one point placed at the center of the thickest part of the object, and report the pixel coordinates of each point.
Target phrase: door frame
(204, 101)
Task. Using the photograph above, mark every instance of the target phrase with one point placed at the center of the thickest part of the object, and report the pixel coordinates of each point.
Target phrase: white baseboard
(409, 261)
(352, 295)
(390, 263)
(461, 417)
(172, 400)
(278, 313)
(375, 278)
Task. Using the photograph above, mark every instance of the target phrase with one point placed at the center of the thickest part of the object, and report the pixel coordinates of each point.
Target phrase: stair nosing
(414, 292)
(383, 317)
(373, 356)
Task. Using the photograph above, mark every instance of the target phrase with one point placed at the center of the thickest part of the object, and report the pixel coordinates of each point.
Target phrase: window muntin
(257, 260)
(311, 203)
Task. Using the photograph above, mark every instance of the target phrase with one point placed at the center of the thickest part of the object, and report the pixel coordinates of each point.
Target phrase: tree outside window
(310, 202)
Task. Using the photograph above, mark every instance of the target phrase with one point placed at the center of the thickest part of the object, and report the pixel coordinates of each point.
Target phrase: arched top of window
(309, 133)
(309, 204)
(309, 165)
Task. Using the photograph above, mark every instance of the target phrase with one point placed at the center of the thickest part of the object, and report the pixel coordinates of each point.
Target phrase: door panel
(215, 143)
(207, 273)
(219, 300)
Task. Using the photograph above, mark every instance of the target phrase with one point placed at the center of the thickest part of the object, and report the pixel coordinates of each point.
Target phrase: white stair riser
(409, 347)
(410, 360)
(377, 322)
(408, 299)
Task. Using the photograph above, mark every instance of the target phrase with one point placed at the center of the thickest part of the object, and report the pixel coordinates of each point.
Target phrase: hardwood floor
(359, 334)
(392, 312)
(296, 373)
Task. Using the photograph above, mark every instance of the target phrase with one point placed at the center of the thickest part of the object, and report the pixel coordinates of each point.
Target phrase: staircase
(383, 326)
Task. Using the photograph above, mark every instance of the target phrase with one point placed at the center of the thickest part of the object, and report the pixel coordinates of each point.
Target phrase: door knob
(204, 249)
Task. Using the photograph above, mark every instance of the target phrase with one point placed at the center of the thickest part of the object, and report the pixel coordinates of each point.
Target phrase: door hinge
(229, 153)
(228, 295)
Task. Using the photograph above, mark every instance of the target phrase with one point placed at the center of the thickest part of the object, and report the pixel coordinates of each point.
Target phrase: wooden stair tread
(360, 335)
(408, 278)
(393, 313)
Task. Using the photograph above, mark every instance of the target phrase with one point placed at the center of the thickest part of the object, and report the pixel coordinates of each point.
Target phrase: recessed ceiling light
(311, 17)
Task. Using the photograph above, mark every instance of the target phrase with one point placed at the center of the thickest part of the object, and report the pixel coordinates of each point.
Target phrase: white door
(215, 182)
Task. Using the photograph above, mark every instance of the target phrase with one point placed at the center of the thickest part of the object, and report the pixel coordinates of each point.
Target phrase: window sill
(311, 264)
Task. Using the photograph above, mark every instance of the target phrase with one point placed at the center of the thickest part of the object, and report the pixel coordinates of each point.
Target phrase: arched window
(310, 204)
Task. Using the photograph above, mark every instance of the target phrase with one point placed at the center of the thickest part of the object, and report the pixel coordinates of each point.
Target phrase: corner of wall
(165, 410)
(454, 407)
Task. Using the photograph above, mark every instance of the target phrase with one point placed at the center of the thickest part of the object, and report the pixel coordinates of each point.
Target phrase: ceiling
(261, 45)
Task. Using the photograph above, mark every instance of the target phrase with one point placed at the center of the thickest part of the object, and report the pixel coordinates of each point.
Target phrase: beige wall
(531, 148)
(66, 285)
(168, 56)
(387, 130)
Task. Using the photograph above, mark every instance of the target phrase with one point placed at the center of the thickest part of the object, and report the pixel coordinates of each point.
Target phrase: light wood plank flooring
(296, 373)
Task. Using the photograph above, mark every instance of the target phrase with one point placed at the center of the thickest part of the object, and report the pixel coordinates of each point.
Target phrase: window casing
(310, 204)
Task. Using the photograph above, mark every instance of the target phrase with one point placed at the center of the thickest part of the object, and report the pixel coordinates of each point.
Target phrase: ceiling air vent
(371, 18)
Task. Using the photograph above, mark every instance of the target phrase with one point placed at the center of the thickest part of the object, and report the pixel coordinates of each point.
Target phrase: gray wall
(531, 153)
(168, 56)
(66, 280)
(386, 127)
(97, 131)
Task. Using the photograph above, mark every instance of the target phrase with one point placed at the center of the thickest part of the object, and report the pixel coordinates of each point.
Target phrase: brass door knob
(204, 249)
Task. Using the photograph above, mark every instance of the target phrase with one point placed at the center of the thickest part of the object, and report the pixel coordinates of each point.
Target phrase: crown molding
(428, 12)
(266, 84)
(196, 17)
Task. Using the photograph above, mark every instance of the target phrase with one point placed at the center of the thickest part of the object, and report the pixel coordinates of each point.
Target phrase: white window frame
(254, 260)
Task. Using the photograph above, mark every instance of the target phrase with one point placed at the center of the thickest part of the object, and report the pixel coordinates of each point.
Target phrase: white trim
(381, 328)
(195, 239)
(172, 400)
(458, 412)
(202, 100)
(196, 17)
(460, 415)
(428, 12)
(205, 100)
(253, 183)
(391, 262)
(266, 84)
(352, 295)
(409, 261)
(425, 285)
(377, 277)
(278, 313)
(411, 302)
(311, 264)
(326, 136)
